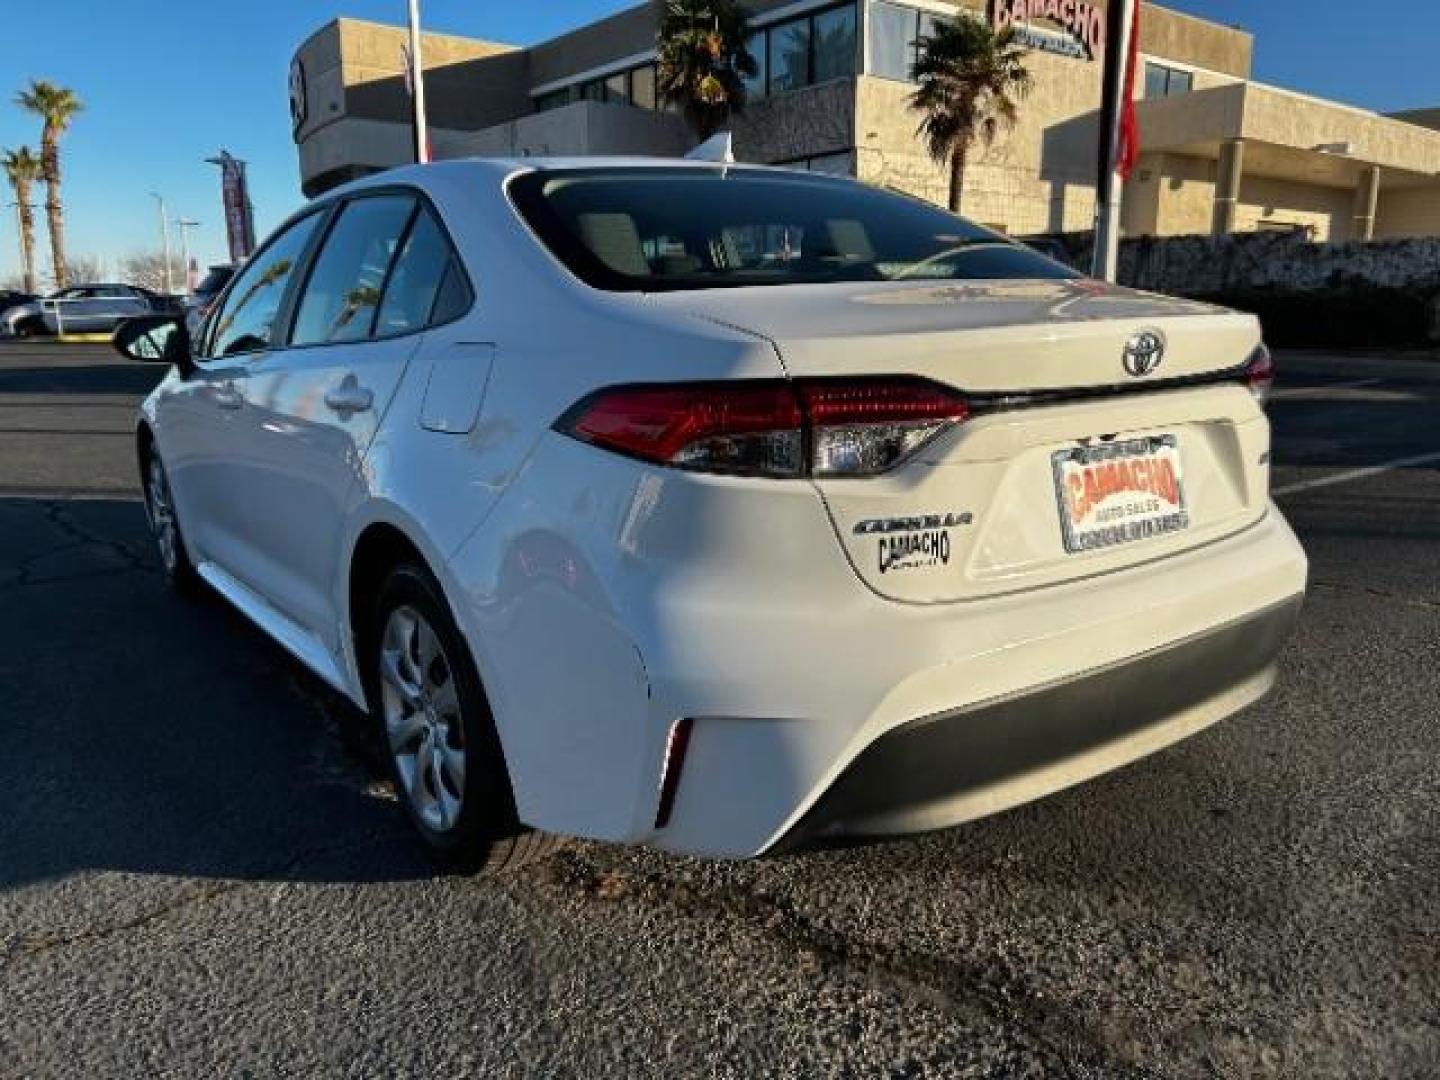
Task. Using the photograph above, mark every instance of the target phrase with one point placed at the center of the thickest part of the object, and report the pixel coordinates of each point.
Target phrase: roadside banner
(239, 214)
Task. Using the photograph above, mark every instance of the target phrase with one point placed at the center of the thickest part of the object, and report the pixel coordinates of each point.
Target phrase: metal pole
(1110, 190)
(164, 239)
(185, 227)
(417, 86)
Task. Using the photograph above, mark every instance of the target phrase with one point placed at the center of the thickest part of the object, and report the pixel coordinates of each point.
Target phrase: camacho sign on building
(1080, 26)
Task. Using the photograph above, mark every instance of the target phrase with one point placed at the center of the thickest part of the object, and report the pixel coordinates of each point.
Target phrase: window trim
(338, 208)
(212, 325)
(857, 59)
(335, 206)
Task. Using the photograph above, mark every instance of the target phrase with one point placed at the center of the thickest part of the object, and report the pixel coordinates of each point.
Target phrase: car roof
(498, 169)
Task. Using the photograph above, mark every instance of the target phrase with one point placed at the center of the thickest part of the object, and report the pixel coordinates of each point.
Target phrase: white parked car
(722, 509)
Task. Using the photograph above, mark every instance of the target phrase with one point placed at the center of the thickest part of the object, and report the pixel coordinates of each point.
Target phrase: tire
(165, 526)
(436, 732)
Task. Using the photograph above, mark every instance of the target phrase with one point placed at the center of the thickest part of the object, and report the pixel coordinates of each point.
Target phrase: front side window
(343, 293)
(418, 281)
(246, 323)
(654, 230)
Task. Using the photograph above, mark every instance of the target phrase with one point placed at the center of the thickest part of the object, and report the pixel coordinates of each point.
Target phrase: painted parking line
(1321, 391)
(1351, 475)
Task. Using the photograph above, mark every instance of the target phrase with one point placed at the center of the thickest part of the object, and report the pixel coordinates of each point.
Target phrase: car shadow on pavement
(117, 377)
(148, 734)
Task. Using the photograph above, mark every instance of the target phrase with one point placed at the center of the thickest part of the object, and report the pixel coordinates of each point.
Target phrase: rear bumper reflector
(675, 748)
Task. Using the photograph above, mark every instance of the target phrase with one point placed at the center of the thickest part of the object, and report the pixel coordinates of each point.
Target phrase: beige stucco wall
(1039, 177)
(1174, 195)
(584, 127)
(1408, 212)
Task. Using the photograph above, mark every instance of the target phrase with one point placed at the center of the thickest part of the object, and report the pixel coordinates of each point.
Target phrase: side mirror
(155, 339)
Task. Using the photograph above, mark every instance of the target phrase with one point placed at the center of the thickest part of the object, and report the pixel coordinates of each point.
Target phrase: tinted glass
(617, 88)
(668, 229)
(892, 40)
(454, 297)
(789, 56)
(755, 85)
(834, 44)
(1181, 82)
(1155, 81)
(246, 323)
(642, 86)
(416, 279)
(343, 292)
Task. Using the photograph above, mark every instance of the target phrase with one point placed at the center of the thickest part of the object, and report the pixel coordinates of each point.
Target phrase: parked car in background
(198, 304)
(719, 508)
(84, 309)
(9, 298)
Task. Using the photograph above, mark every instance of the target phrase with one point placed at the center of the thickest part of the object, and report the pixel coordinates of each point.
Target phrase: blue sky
(167, 85)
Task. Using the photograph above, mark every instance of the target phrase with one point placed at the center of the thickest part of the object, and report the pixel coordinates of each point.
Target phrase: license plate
(1120, 492)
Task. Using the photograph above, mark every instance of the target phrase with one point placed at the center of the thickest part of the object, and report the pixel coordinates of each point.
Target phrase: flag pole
(417, 86)
(1110, 189)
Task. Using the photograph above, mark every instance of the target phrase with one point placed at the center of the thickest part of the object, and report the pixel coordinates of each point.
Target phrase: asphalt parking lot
(200, 875)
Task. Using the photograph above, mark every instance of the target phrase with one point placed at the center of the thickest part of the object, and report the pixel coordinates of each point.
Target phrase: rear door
(315, 406)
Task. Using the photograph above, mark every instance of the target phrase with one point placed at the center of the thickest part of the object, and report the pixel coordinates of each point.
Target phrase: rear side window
(246, 323)
(647, 230)
(344, 290)
(422, 278)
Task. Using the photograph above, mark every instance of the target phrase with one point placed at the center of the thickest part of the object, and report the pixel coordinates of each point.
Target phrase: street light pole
(417, 86)
(164, 238)
(185, 227)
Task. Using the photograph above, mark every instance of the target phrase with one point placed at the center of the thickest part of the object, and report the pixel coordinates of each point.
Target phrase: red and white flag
(1127, 152)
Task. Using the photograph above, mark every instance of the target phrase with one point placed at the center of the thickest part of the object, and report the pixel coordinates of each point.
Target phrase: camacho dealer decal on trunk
(913, 543)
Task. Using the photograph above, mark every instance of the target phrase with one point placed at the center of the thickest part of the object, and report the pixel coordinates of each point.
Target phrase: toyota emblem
(1144, 353)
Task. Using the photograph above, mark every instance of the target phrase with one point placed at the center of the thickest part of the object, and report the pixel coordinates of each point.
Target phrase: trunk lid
(1027, 495)
(981, 337)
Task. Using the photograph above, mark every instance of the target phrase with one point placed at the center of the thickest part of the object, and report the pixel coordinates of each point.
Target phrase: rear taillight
(806, 427)
(1259, 374)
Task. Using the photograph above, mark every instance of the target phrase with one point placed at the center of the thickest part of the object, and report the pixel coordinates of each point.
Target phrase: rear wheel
(165, 527)
(437, 733)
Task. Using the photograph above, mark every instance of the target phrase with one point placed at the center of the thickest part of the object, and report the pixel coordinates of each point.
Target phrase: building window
(789, 56)
(803, 51)
(895, 35)
(1162, 81)
(642, 87)
(634, 86)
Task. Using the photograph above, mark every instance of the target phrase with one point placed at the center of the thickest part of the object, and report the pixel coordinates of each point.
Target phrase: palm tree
(971, 80)
(56, 106)
(22, 169)
(703, 61)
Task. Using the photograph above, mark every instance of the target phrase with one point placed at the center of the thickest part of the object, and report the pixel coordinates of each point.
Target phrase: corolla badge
(1144, 353)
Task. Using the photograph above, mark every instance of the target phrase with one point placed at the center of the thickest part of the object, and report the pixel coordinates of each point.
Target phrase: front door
(313, 407)
(205, 431)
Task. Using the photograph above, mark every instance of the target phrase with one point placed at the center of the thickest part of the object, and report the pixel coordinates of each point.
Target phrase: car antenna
(719, 148)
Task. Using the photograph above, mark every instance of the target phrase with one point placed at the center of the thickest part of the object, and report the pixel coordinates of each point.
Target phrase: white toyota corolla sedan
(723, 509)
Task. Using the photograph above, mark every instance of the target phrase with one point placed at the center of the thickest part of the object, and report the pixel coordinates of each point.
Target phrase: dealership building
(1221, 152)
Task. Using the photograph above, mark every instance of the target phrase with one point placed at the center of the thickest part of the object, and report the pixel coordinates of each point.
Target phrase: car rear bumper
(969, 762)
(888, 718)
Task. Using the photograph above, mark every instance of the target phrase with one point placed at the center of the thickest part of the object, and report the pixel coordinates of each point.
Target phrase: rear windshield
(654, 230)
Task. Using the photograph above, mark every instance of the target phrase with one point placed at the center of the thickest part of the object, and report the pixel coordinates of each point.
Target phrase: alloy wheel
(423, 726)
(161, 505)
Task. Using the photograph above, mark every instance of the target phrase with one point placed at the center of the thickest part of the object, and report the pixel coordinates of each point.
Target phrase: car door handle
(229, 398)
(350, 397)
